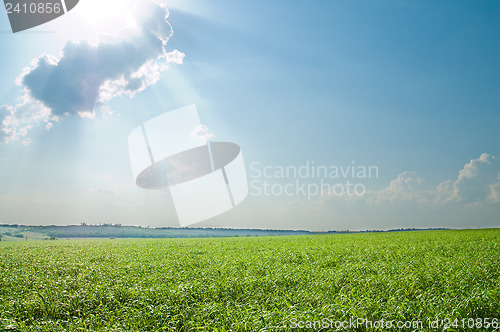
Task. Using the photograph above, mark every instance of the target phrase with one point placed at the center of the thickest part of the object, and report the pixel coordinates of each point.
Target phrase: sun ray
(104, 16)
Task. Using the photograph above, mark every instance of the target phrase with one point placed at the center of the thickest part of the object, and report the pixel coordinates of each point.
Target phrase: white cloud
(495, 191)
(202, 132)
(87, 114)
(111, 189)
(16, 121)
(103, 191)
(175, 57)
(477, 182)
(406, 187)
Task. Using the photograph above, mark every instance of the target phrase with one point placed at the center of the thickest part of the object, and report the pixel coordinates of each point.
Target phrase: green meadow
(421, 280)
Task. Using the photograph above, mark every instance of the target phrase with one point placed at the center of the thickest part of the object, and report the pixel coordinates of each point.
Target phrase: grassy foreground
(256, 283)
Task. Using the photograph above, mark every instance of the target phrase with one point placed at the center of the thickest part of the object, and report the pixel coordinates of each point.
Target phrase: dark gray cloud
(73, 83)
(86, 75)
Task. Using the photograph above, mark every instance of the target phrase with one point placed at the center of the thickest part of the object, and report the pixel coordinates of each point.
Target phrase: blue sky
(412, 87)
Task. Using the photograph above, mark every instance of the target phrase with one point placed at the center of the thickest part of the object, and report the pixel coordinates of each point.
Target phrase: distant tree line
(108, 230)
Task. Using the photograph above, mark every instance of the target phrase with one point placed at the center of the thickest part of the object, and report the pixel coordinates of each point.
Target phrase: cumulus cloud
(477, 183)
(16, 121)
(406, 187)
(103, 191)
(202, 132)
(495, 191)
(86, 75)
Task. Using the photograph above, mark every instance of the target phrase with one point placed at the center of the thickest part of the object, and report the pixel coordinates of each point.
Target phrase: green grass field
(255, 283)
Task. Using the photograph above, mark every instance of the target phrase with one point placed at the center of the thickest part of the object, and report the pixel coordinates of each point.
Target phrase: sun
(104, 16)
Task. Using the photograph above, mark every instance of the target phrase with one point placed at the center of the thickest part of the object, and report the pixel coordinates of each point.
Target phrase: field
(414, 279)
